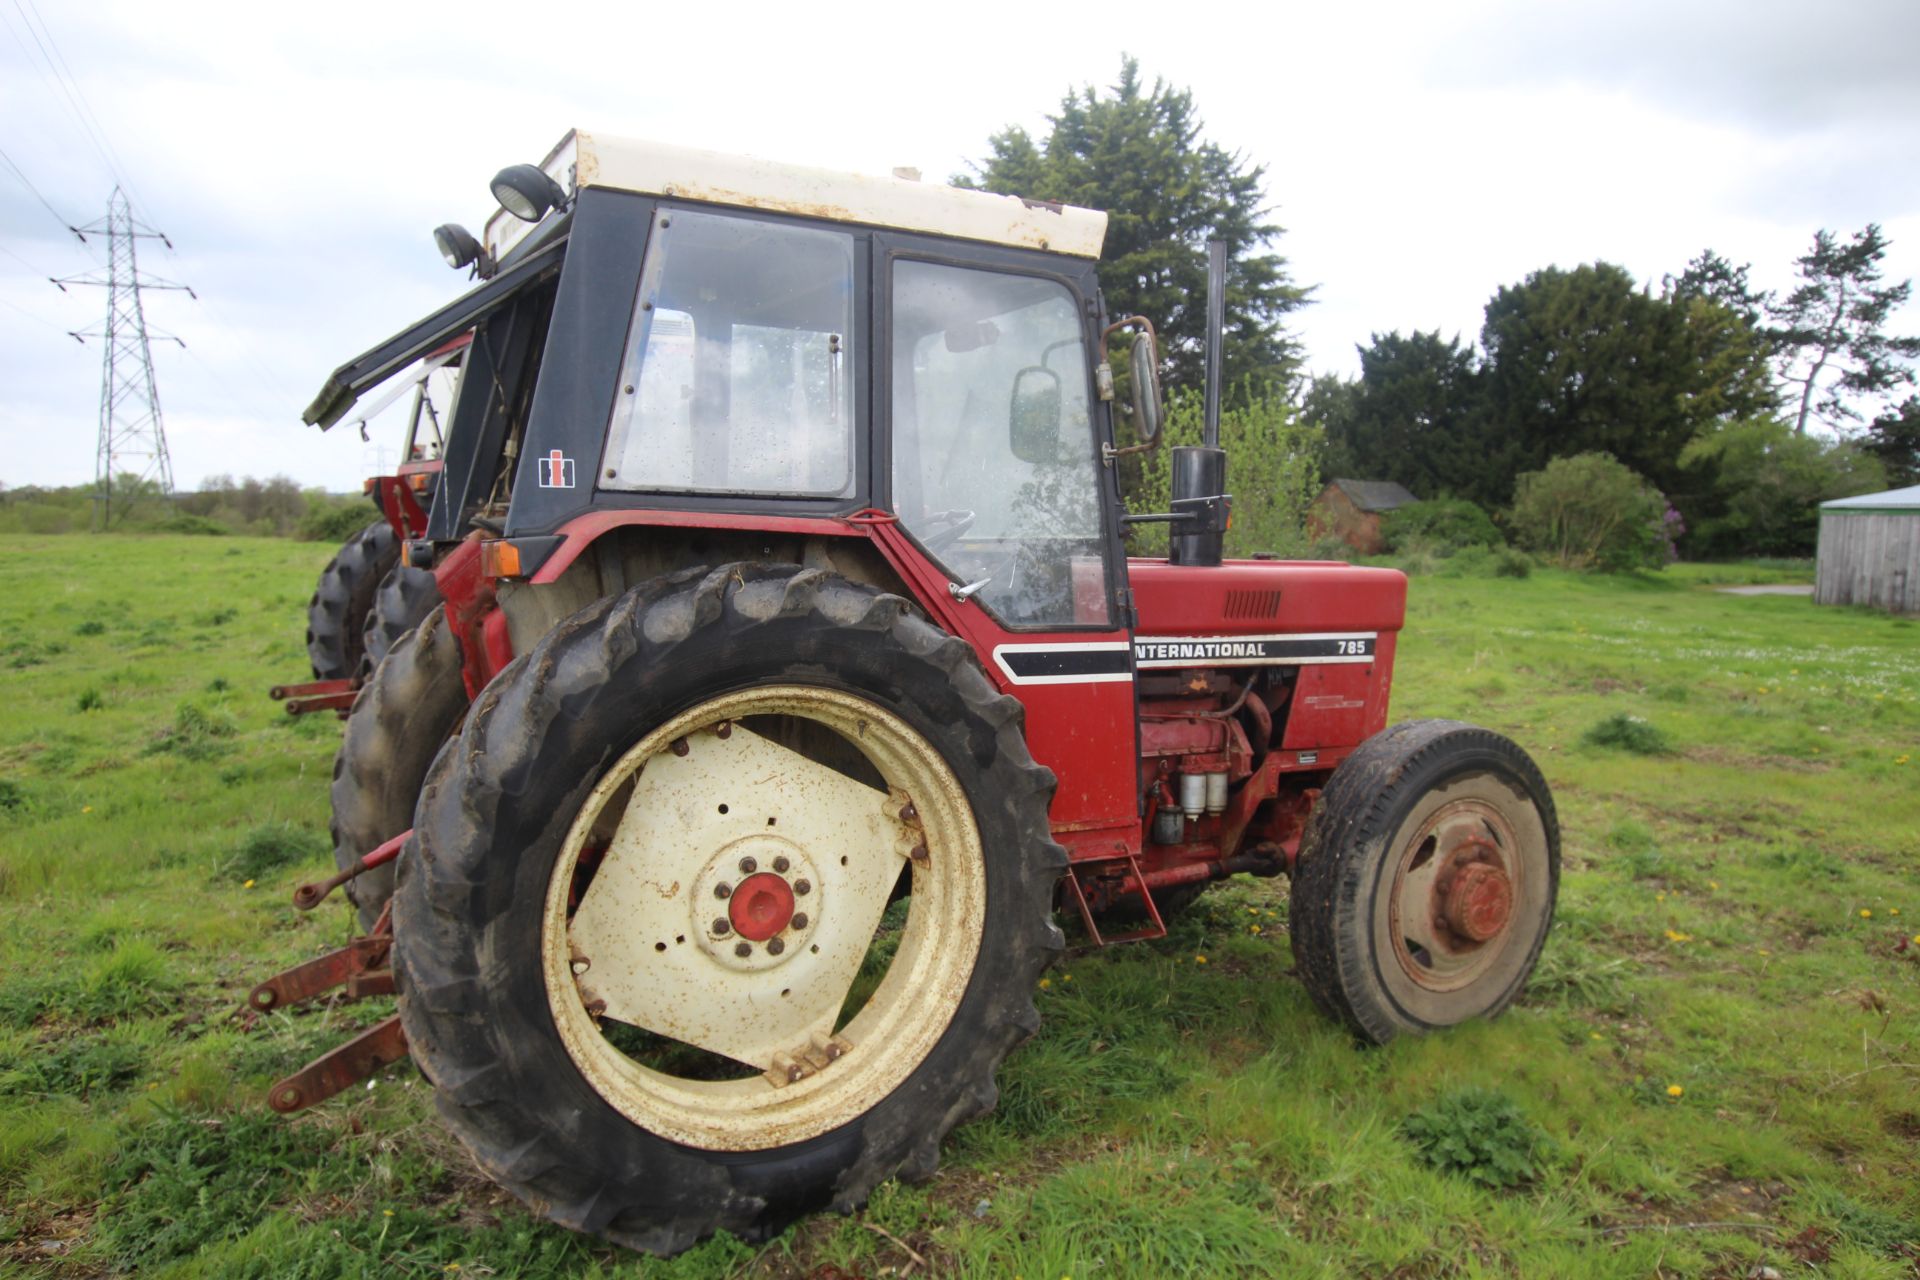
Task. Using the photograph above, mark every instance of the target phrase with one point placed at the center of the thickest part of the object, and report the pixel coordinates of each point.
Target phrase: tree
(1583, 361)
(1894, 438)
(1831, 329)
(1414, 416)
(1137, 153)
(1590, 512)
(1770, 483)
(1711, 278)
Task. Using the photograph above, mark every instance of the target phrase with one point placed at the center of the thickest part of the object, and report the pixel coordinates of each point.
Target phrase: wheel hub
(761, 906)
(756, 903)
(1478, 902)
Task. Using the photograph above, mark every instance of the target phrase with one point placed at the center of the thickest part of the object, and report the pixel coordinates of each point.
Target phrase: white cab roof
(585, 159)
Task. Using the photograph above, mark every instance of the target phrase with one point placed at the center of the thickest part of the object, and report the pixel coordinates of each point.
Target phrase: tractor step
(383, 1043)
(1152, 927)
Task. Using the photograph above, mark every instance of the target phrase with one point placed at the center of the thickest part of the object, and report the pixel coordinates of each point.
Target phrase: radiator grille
(1242, 605)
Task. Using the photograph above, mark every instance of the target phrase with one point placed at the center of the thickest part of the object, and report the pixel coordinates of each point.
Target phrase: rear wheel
(412, 703)
(405, 598)
(338, 609)
(725, 906)
(1426, 880)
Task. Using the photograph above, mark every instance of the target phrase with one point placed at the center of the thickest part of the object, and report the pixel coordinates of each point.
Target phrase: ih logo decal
(556, 471)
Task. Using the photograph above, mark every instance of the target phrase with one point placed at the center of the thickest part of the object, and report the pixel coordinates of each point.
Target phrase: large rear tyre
(643, 935)
(1426, 880)
(405, 598)
(338, 609)
(404, 714)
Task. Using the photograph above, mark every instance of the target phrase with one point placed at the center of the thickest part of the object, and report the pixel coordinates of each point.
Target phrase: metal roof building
(1870, 551)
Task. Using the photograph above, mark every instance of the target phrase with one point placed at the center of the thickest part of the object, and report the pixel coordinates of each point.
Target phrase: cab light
(418, 481)
(499, 559)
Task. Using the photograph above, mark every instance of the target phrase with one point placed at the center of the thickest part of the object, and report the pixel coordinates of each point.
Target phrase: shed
(1351, 510)
(1870, 551)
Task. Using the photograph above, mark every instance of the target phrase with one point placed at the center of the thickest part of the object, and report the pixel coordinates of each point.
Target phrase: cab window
(994, 462)
(739, 373)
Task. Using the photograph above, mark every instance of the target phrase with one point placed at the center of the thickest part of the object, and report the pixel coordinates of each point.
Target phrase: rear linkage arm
(362, 968)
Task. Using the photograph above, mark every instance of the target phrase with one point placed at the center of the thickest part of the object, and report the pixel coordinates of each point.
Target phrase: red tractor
(782, 547)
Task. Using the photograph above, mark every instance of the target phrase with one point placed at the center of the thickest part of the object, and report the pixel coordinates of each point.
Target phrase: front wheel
(1426, 880)
(725, 906)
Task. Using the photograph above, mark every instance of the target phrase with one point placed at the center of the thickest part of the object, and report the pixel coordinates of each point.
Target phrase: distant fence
(1870, 558)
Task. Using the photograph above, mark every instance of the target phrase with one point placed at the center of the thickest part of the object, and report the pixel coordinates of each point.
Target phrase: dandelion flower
(1713, 884)
(1199, 959)
(1763, 951)
(86, 808)
(1893, 911)
(1066, 977)
(247, 885)
(1674, 1091)
(1762, 689)
(1674, 935)
(1593, 1035)
(1901, 759)
(1045, 983)
(1253, 929)
(1659, 897)
(386, 1213)
(1865, 914)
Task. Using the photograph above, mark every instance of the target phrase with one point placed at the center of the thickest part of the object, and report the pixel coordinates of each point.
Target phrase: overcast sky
(1420, 155)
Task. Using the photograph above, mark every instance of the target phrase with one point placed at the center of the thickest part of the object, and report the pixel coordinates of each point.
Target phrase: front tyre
(644, 938)
(1426, 880)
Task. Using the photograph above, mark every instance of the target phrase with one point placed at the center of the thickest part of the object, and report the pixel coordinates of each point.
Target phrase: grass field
(1717, 1067)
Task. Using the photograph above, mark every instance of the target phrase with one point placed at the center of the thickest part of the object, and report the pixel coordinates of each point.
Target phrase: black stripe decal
(1072, 664)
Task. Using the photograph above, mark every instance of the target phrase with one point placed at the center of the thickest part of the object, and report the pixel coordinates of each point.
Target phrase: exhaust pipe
(1201, 504)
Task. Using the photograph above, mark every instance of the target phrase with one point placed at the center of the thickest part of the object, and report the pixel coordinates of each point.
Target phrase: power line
(76, 98)
(28, 184)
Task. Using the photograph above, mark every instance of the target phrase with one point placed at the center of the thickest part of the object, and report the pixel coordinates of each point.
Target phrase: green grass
(1733, 910)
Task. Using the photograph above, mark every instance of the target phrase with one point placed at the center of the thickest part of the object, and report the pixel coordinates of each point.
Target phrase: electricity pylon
(133, 439)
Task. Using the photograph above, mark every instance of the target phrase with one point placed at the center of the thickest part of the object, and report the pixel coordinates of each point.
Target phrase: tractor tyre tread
(405, 598)
(400, 719)
(344, 595)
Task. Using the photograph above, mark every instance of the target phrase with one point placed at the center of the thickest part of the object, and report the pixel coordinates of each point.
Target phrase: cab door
(992, 468)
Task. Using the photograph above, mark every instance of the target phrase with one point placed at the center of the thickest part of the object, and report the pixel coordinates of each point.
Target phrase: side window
(739, 372)
(995, 467)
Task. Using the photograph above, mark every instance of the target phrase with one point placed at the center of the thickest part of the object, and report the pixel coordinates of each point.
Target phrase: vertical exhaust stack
(1200, 500)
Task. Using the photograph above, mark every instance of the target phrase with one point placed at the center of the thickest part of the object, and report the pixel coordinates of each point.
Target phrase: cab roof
(584, 159)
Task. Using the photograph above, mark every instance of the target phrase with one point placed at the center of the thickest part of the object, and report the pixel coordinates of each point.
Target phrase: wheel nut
(744, 949)
(748, 866)
(803, 887)
(799, 921)
(723, 890)
(781, 864)
(775, 946)
(721, 926)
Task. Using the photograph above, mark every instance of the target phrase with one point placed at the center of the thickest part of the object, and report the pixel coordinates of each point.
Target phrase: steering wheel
(941, 529)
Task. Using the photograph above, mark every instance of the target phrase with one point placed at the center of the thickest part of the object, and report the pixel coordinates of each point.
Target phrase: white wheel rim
(646, 929)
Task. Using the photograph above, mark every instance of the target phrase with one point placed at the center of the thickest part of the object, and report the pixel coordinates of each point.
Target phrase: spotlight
(526, 192)
(456, 244)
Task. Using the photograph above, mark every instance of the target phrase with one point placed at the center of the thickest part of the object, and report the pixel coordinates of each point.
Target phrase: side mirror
(1143, 360)
(1033, 419)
